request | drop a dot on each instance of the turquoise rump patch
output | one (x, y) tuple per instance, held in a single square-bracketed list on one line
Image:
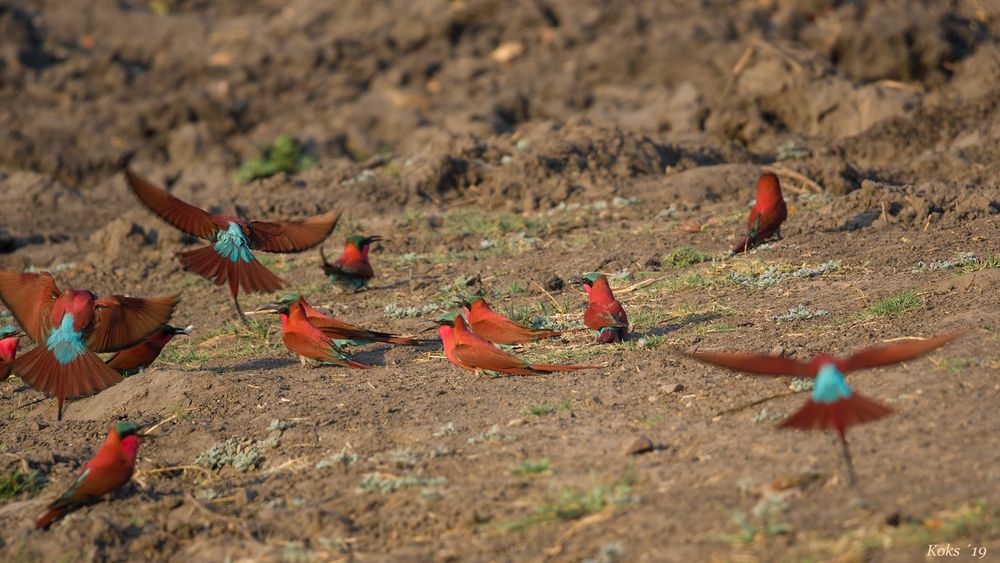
[(830, 385), (65, 343), (232, 243)]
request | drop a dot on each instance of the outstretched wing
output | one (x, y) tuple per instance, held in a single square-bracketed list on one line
[(754, 363), (29, 298), (293, 236), (186, 217), (894, 353), (120, 322)]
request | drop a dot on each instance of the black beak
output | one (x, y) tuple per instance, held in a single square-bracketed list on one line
[(186, 331)]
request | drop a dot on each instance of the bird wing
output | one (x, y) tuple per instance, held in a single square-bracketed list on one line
[(293, 236), (120, 322), (754, 363), (482, 357), (603, 315), (29, 298), (186, 217), (893, 353)]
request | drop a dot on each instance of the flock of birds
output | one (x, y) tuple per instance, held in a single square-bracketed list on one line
[(70, 327)]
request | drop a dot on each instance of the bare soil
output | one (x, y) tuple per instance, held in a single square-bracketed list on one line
[(507, 147)]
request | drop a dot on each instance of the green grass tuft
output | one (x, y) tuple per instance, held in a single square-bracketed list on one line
[(683, 257), (285, 155), (895, 305), (530, 467), (17, 483), (573, 504)]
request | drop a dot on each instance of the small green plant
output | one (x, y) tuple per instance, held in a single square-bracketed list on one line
[(491, 435), (539, 410), (683, 257), (749, 531), (343, 458), (239, 452), (792, 150), (385, 484), (895, 305), (799, 313), (285, 155), (991, 261), (572, 504), (17, 483), (530, 467)]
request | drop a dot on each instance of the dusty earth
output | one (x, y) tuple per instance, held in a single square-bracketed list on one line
[(508, 146)]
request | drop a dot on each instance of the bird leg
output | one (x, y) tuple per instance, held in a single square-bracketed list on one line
[(852, 478), (303, 360), (239, 310)]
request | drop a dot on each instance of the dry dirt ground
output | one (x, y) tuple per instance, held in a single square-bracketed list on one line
[(507, 147)]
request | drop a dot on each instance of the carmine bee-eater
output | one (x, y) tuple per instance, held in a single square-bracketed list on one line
[(139, 357), (468, 351), (766, 215), (10, 337), (69, 327), (833, 404), (230, 258), (604, 313), (352, 270), (497, 328), (303, 338), (342, 333), (111, 467)]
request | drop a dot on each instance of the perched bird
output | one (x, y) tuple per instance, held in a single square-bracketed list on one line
[(230, 258), (110, 468), (69, 327), (139, 357), (10, 337), (766, 215), (468, 351), (352, 270), (833, 404), (497, 328), (302, 337), (342, 333), (604, 313)]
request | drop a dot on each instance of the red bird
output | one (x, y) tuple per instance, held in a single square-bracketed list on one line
[(604, 313), (69, 327), (139, 357), (302, 337), (497, 328), (340, 332), (109, 469), (766, 215), (468, 351), (230, 258), (10, 337), (833, 405), (352, 270)]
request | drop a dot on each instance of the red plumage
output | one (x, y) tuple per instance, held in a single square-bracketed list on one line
[(498, 329), (248, 274), (102, 325), (766, 215), (8, 351), (604, 314), (337, 329), (837, 416), (470, 352), (111, 467), (143, 354), (303, 338)]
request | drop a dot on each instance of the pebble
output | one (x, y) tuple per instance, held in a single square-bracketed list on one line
[(517, 422), (671, 388), (639, 445)]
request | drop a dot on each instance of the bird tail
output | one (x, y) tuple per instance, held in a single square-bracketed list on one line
[(4, 371), (402, 340), (50, 516), (548, 368), (611, 334), (83, 376), (347, 363), (252, 276), (328, 268), (838, 415)]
